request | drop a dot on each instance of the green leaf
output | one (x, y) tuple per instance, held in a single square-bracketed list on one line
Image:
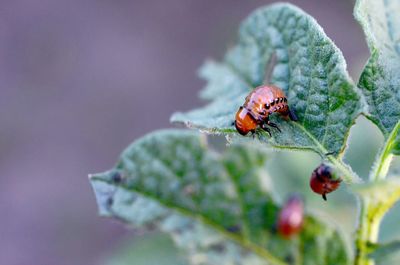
[(383, 251), (380, 79), (381, 195), (217, 207), (376, 198), (140, 251), (282, 45)]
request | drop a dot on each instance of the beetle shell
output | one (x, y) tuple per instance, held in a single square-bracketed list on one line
[(322, 180), (244, 121), (259, 104), (290, 221)]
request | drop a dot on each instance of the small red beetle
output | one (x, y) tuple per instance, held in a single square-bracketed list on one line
[(323, 181), (290, 221), (259, 104)]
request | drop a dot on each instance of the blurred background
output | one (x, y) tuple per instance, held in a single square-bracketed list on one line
[(79, 80)]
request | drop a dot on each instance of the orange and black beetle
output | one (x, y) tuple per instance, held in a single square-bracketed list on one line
[(322, 180), (259, 104)]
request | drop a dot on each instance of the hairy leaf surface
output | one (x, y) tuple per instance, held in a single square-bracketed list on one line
[(380, 79), (382, 195), (218, 207), (282, 45), (381, 252)]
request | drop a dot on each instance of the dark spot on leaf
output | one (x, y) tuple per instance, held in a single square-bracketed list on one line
[(116, 178), (218, 247), (289, 259), (233, 228), (109, 201), (274, 228), (151, 227)]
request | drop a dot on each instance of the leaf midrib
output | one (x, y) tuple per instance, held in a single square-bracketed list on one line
[(351, 175), (234, 70)]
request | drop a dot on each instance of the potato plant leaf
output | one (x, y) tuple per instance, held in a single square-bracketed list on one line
[(380, 79), (380, 252), (382, 195), (282, 45), (218, 207)]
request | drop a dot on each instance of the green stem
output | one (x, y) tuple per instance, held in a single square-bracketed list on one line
[(367, 232), (348, 174), (373, 209), (385, 157), (371, 214)]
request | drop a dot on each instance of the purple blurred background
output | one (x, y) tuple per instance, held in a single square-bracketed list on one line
[(80, 80)]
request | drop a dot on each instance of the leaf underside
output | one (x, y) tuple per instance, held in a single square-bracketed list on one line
[(382, 195), (383, 251), (380, 79), (282, 45), (217, 207)]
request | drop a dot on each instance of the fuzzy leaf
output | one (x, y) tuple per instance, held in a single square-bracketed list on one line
[(382, 195), (282, 45), (380, 252), (140, 251), (380, 79), (217, 207)]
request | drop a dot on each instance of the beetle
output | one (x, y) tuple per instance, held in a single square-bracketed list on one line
[(259, 104), (323, 181), (290, 219)]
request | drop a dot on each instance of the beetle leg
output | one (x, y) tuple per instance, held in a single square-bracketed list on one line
[(324, 197), (292, 115), (265, 128), (233, 123), (253, 133), (274, 125)]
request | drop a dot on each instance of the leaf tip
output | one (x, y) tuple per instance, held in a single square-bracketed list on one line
[(178, 118)]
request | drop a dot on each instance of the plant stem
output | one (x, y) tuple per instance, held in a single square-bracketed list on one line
[(367, 232), (385, 157), (348, 174), (370, 214)]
